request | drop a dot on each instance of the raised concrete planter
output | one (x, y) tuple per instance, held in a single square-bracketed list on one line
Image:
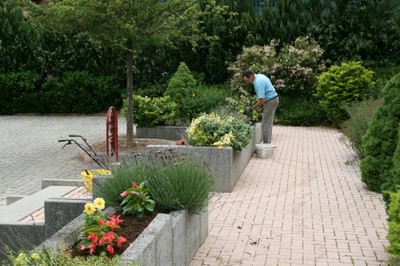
[(227, 164), (162, 132), (16, 233), (170, 239)]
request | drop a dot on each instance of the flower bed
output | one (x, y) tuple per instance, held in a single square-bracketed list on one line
[(226, 163), (170, 239)]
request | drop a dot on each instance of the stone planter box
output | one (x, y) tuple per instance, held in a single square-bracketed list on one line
[(162, 132), (227, 164), (170, 239)]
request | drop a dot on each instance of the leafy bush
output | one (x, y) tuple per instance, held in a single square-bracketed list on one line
[(380, 141), (356, 126), (80, 92), (150, 112), (394, 225), (19, 92), (204, 99), (339, 85), (300, 111), (76, 92), (220, 131)]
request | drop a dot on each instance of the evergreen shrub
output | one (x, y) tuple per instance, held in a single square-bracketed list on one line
[(380, 141), (180, 87), (344, 84), (394, 225)]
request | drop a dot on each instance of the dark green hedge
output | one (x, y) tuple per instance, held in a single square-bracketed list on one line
[(75, 92)]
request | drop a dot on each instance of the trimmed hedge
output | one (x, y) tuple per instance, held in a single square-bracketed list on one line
[(75, 92)]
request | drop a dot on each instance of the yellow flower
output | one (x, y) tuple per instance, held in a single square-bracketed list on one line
[(99, 203), (89, 208)]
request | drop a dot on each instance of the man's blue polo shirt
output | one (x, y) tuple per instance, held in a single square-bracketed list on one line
[(263, 86)]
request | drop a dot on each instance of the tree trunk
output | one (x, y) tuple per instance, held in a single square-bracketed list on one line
[(129, 115)]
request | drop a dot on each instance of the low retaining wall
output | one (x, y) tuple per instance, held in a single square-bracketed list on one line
[(170, 239), (226, 164), (162, 132)]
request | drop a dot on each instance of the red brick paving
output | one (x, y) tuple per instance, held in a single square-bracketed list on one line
[(304, 206)]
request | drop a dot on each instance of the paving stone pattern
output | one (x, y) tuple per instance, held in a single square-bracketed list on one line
[(31, 151), (304, 206)]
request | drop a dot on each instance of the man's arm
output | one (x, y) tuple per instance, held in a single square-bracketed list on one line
[(259, 103)]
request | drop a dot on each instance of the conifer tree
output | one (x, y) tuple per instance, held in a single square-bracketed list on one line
[(380, 141)]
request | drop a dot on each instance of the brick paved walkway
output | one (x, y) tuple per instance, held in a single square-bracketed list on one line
[(305, 206)]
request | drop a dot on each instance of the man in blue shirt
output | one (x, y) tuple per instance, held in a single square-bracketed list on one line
[(267, 99)]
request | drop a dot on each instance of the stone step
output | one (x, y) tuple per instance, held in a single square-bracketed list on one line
[(29, 204)]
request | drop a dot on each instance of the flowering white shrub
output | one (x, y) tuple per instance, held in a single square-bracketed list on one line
[(293, 70)]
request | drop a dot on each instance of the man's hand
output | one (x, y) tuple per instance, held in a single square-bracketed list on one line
[(248, 110)]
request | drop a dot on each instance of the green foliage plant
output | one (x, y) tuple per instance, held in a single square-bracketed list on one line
[(300, 111), (19, 92), (150, 112), (204, 99), (239, 102), (79, 92), (20, 41), (122, 177), (137, 201), (344, 84), (28, 258), (356, 126), (183, 184), (174, 181), (393, 235), (380, 141), (220, 131)]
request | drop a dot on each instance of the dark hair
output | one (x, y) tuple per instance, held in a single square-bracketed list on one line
[(248, 73)]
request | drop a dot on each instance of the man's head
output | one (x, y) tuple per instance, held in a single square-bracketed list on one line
[(248, 76)]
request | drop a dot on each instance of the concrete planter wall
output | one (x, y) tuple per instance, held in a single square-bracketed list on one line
[(226, 163), (170, 239), (162, 132)]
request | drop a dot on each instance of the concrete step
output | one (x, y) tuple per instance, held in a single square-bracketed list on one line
[(29, 204)]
